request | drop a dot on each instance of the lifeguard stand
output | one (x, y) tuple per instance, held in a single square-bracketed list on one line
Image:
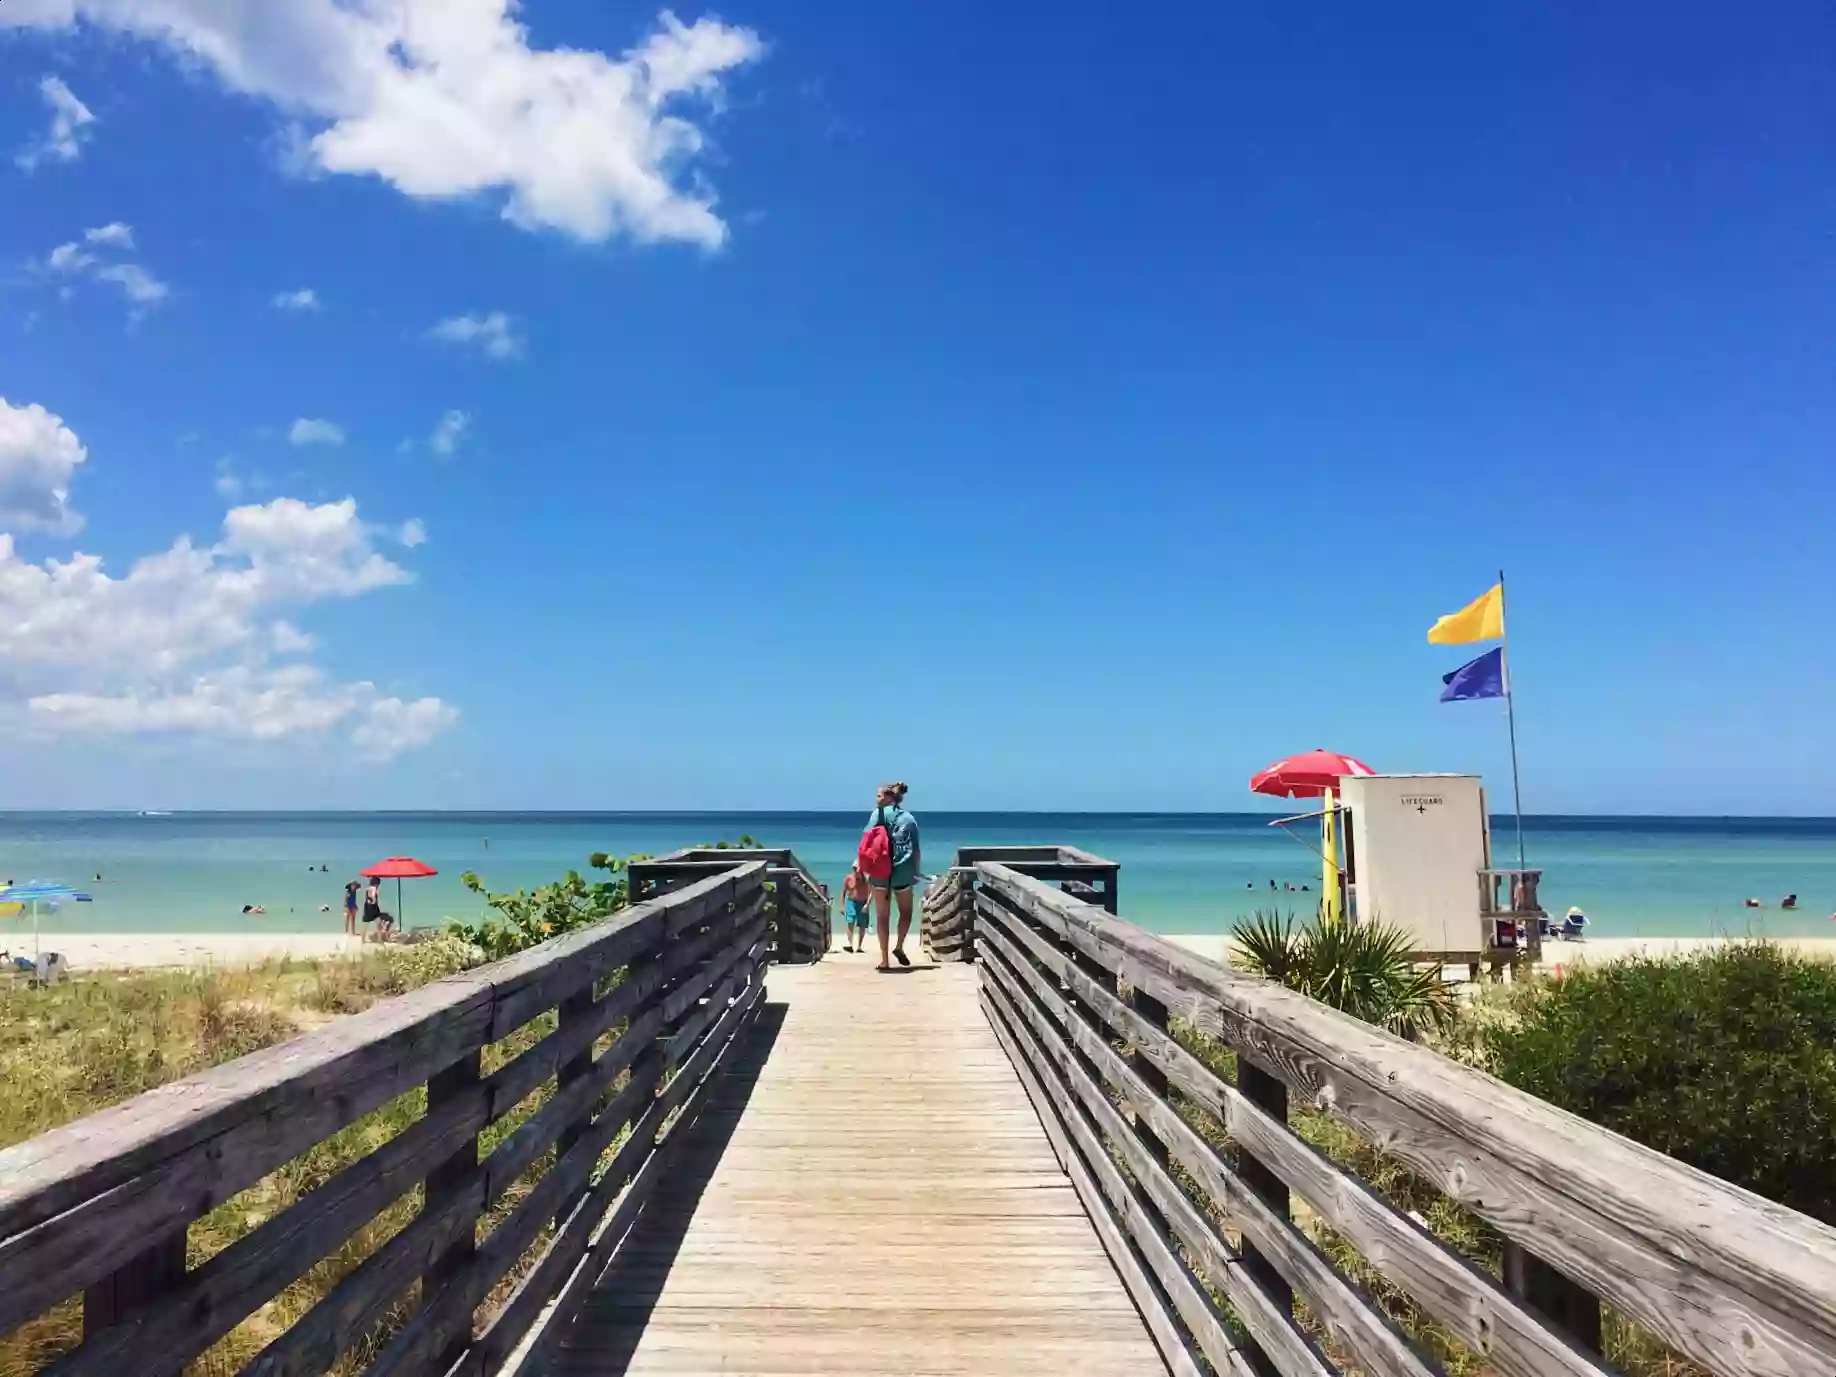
[(1419, 858)]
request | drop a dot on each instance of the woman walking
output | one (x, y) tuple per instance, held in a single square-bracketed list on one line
[(889, 812)]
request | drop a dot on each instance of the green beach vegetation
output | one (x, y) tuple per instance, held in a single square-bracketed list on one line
[(72, 1049), (1363, 969), (526, 917), (1723, 1058)]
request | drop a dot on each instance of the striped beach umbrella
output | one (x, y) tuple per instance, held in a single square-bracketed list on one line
[(33, 893)]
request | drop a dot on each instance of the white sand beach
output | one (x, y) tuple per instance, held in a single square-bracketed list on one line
[(153, 950), (150, 950), (1559, 955)]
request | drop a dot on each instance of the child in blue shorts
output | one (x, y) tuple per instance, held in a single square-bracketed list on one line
[(857, 909)]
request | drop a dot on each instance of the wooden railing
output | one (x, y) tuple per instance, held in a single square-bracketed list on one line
[(648, 1004), (1189, 1177), (798, 906), (946, 917)]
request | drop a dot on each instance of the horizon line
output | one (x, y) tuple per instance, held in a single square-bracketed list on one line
[(155, 814)]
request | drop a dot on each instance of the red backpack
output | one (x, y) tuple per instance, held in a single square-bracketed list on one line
[(875, 854)]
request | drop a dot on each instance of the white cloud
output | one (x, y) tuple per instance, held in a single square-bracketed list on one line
[(189, 603), (69, 258), (183, 643), (39, 456), (136, 283), (494, 335), (312, 432), (290, 640), (254, 704), (443, 98), (112, 235), (303, 300), (389, 726), (140, 287), (413, 532), (449, 432), (70, 126)]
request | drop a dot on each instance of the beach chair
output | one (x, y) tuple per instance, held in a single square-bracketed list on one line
[(50, 968), (1574, 926)]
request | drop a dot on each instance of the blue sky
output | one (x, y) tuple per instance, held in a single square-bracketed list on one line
[(1065, 406)]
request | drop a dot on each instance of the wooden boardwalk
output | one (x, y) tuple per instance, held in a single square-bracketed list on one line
[(868, 1191)]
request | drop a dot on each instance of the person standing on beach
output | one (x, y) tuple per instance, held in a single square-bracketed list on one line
[(372, 903), (889, 812), (350, 908)]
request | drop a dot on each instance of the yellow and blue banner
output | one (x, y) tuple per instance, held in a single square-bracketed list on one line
[(1481, 678), (1482, 619)]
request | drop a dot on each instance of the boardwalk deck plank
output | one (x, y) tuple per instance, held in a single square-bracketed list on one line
[(876, 1195)]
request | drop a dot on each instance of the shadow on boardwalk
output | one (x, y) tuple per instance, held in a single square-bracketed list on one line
[(616, 1315), (870, 1194)]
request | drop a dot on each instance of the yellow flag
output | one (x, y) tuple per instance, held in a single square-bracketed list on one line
[(1480, 620)]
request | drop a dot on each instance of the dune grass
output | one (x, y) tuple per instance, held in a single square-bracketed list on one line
[(1467, 1037), (72, 1049)]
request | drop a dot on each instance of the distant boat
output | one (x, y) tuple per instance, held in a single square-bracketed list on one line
[(154, 813)]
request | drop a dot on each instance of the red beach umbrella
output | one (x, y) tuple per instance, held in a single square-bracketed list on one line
[(1307, 775), (399, 868)]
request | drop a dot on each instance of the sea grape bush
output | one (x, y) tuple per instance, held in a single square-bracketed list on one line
[(1725, 1060), (526, 917)]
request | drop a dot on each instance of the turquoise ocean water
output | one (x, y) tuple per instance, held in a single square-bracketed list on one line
[(1180, 873)]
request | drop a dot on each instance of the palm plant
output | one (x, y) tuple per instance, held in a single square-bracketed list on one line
[(1367, 970)]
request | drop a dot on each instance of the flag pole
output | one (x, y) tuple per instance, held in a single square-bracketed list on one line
[(1510, 698)]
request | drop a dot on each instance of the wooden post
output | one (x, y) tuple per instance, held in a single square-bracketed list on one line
[(1269, 1094), (446, 1180), (1154, 1012), (1569, 1306), (780, 942), (574, 1009), (143, 1278)]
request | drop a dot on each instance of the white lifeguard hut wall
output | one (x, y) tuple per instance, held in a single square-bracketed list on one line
[(1418, 845)]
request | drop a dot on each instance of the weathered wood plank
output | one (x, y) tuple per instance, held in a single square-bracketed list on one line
[(874, 1197), (236, 1282), (1349, 1315), (446, 1312), (146, 1167), (453, 1178), (149, 1279), (1150, 1282), (1743, 1286), (354, 1307), (1272, 1330), (1466, 1300), (417, 1348), (538, 979), (540, 1290), (626, 1188), (77, 1203), (568, 1108), (684, 997)]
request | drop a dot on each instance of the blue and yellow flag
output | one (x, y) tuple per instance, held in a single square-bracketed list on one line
[(1480, 620), (1481, 678)]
